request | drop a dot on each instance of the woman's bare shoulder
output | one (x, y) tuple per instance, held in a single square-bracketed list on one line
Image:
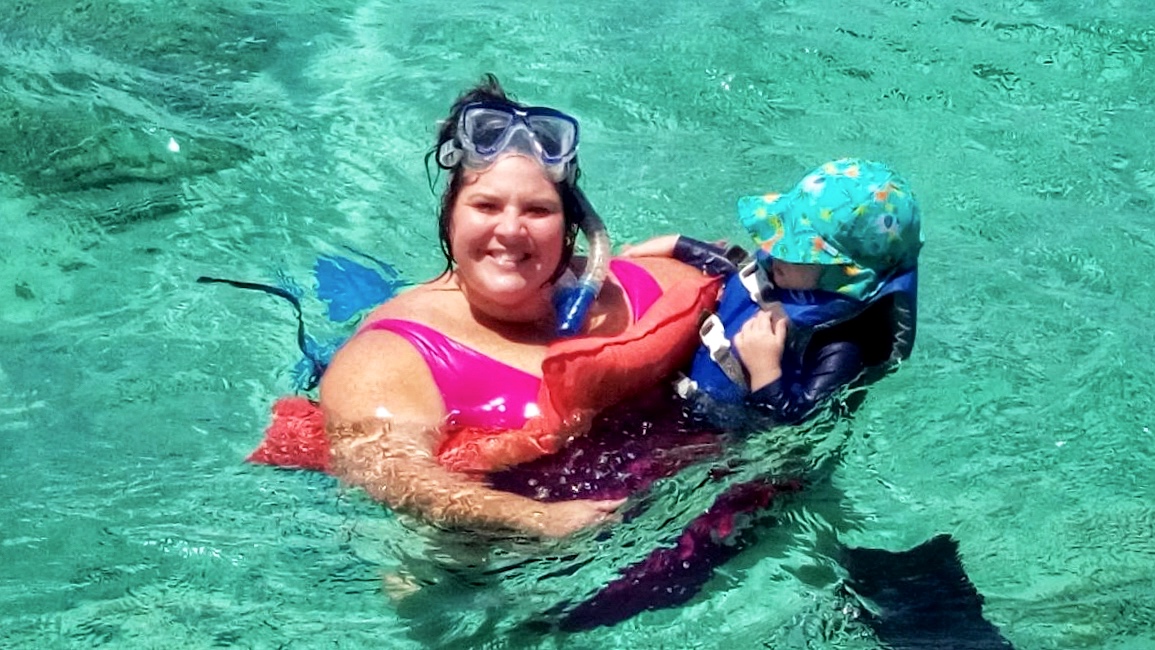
[(379, 374), (422, 303)]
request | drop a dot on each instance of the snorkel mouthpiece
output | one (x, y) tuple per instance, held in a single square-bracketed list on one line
[(573, 301), (573, 305)]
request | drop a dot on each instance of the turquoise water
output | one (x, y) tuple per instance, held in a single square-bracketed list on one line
[(145, 143)]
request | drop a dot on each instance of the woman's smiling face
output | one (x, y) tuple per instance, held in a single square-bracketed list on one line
[(506, 235)]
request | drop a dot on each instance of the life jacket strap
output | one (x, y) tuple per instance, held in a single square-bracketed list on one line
[(713, 332), (713, 335)]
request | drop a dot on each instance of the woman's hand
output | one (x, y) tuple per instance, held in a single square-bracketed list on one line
[(564, 518), (761, 343)]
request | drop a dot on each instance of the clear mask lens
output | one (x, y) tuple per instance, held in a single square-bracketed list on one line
[(557, 138), (486, 130)]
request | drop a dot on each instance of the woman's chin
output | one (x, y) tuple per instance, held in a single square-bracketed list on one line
[(504, 288)]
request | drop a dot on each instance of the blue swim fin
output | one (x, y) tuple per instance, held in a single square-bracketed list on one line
[(349, 287)]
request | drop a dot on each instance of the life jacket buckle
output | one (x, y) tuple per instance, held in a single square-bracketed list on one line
[(685, 387), (713, 335), (753, 277)]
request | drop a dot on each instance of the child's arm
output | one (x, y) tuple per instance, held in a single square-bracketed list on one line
[(760, 344), (713, 259), (792, 400)]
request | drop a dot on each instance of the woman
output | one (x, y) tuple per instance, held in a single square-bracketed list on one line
[(468, 346)]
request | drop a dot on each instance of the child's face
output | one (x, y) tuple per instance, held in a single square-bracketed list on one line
[(795, 276)]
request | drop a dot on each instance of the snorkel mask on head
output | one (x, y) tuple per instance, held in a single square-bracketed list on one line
[(485, 131)]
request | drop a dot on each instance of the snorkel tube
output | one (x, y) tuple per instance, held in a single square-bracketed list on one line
[(573, 301)]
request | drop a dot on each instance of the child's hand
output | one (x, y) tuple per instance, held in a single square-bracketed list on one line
[(761, 343), (657, 247)]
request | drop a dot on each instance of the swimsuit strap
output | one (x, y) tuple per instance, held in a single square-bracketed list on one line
[(477, 389), (641, 289)]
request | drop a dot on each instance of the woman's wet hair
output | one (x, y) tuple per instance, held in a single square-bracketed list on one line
[(489, 90)]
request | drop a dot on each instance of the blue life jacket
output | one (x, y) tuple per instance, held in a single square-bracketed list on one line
[(809, 312)]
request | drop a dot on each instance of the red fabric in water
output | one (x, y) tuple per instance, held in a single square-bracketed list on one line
[(295, 436)]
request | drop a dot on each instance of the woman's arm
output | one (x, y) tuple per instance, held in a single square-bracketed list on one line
[(383, 415)]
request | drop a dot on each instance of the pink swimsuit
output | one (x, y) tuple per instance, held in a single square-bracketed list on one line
[(480, 391)]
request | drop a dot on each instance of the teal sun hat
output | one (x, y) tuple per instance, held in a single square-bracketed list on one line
[(857, 215)]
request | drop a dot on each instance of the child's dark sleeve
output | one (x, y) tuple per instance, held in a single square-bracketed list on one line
[(795, 396), (712, 259)]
